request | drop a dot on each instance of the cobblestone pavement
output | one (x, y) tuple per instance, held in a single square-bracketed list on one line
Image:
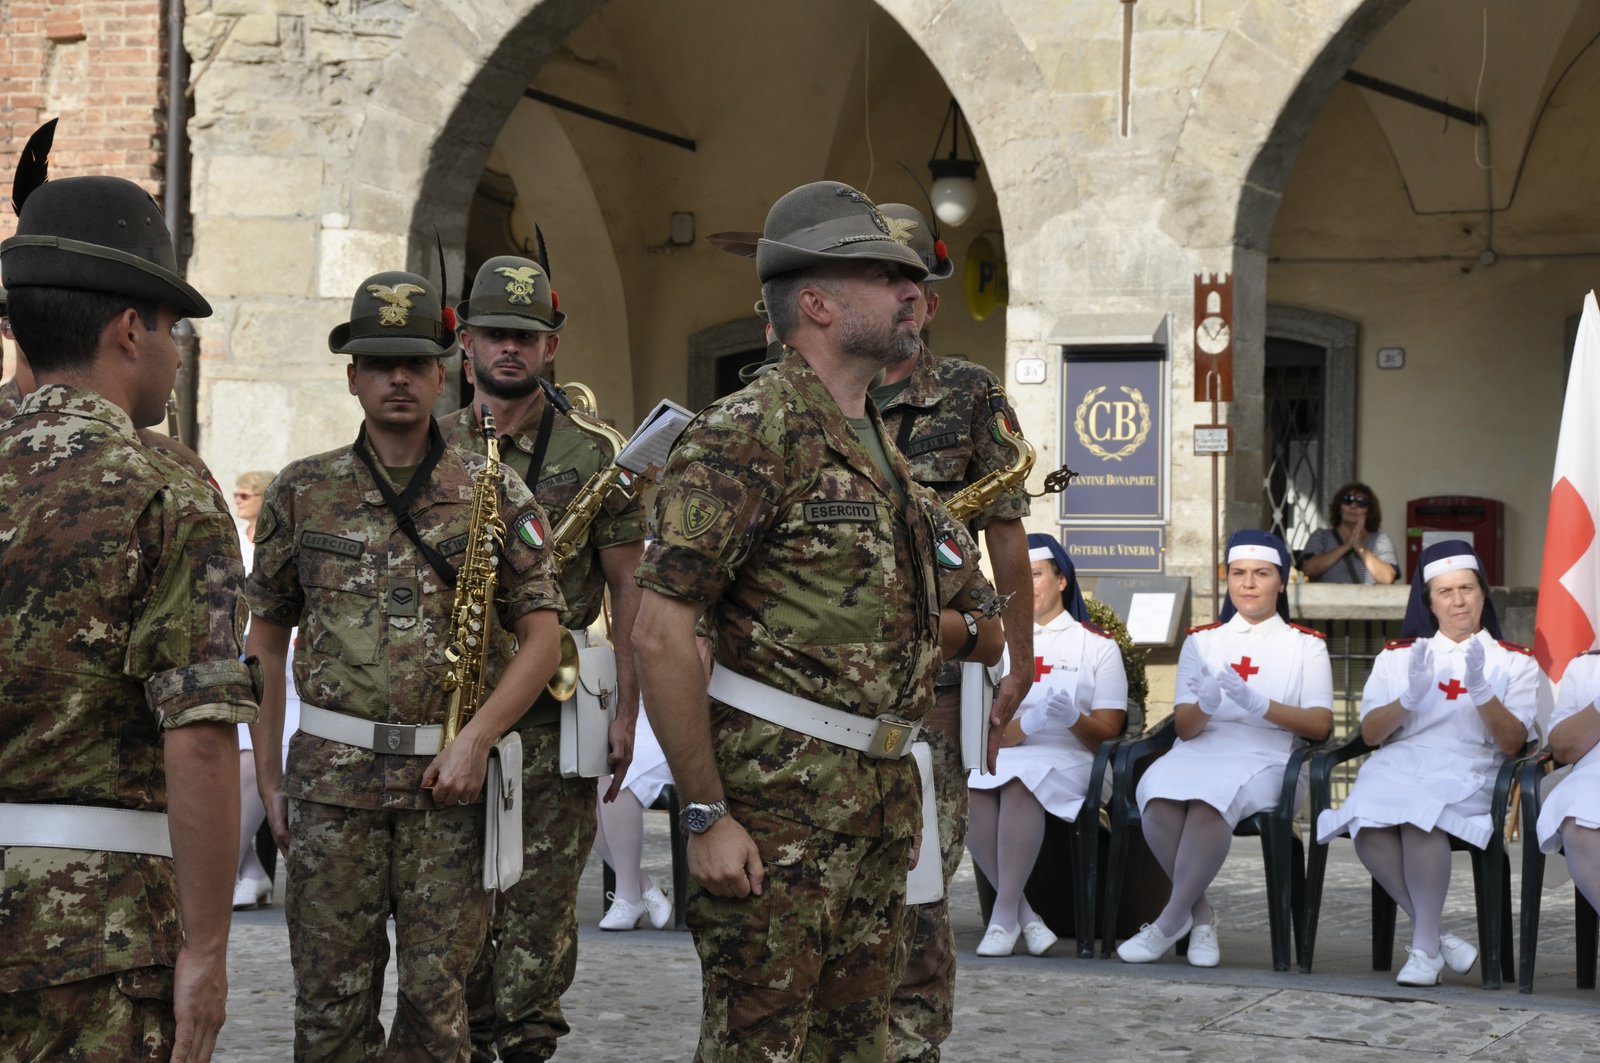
[(637, 994)]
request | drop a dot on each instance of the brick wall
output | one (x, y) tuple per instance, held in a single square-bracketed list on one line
[(99, 66)]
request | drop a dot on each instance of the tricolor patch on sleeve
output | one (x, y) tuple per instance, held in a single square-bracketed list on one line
[(531, 530), (948, 551)]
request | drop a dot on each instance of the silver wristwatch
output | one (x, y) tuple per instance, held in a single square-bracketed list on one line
[(696, 818)]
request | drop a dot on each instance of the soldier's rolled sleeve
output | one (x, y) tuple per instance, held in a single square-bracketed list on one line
[(991, 456), (628, 525), (709, 512), (186, 631), (528, 580)]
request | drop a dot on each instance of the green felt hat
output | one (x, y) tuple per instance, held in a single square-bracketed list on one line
[(827, 221), (395, 315), (512, 293), (99, 234), (921, 237)]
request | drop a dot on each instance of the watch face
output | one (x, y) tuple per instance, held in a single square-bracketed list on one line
[(695, 820)]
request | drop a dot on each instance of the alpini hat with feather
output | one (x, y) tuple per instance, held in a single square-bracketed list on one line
[(98, 234), (827, 221), (395, 315), (512, 293), (911, 225)]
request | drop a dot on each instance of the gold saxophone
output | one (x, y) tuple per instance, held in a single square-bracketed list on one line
[(470, 616), (977, 497), (575, 520)]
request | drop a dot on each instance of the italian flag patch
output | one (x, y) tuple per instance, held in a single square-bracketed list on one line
[(948, 551), (531, 531)]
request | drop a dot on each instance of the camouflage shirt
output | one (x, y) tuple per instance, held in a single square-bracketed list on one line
[(374, 617), (943, 425), (573, 456), (10, 398), (119, 618), (772, 513), (950, 441)]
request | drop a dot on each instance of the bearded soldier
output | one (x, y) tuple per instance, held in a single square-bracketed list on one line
[(510, 331)]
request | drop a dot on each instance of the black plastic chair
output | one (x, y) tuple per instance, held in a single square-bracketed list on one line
[(1282, 853), (1586, 925), (667, 802), (1493, 891)]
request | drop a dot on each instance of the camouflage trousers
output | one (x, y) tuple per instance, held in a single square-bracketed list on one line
[(922, 1009), (803, 971), (531, 953), (125, 1017), (349, 870)]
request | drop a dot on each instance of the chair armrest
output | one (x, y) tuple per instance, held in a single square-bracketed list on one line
[(1298, 758), (1324, 759), (1502, 784), (1530, 770), (1130, 753), (1092, 801)]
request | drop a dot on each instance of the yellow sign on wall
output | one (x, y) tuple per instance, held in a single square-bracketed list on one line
[(985, 282)]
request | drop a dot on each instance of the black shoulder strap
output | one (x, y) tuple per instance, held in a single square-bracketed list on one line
[(541, 444), (400, 505)]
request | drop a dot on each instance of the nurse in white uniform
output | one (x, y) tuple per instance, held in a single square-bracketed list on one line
[(1570, 816), (1248, 686), (1078, 700), (1445, 704)]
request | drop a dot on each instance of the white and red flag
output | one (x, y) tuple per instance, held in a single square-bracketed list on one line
[(1569, 581)]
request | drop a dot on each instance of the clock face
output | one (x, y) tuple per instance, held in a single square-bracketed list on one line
[(1212, 335)]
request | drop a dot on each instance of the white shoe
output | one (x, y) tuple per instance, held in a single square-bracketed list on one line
[(1203, 949), (1038, 938), (1458, 955), (1150, 943), (998, 941), (622, 915), (251, 893), (660, 906), (1421, 969)]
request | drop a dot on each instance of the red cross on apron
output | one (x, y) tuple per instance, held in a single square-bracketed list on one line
[(1453, 691), (1040, 669), (1244, 668)]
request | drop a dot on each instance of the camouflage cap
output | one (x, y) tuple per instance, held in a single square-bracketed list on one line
[(513, 293), (98, 234), (827, 221), (908, 223), (395, 315)]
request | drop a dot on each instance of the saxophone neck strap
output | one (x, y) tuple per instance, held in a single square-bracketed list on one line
[(541, 444), (903, 437), (400, 505)]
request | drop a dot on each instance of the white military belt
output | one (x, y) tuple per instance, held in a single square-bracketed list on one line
[(404, 739), (885, 737), (90, 827)]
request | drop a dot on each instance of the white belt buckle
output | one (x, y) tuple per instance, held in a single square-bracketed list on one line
[(394, 738), (893, 737)]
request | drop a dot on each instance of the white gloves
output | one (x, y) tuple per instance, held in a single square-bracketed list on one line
[(1062, 706), (1252, 702), (1479, 689), (1207, 691), (1419, 671)]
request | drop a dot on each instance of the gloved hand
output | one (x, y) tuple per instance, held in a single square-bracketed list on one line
[(1207, 692), (1251, 701), (1419, 671), (1062, 707), (1479, 689)]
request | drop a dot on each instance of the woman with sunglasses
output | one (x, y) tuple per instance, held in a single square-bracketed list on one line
[(1353, 550)]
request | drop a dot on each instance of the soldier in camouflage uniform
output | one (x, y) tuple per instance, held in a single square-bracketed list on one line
[(938, 412), (354, 546), (509, 339), (786, 512), (119, 626)]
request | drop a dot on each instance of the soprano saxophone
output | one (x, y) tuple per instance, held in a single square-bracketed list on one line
[(470, 617), (977, 497)]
